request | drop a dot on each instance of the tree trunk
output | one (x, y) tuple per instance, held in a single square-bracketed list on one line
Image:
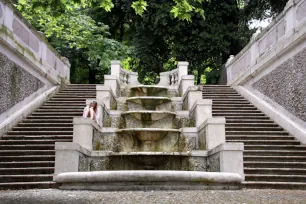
[(92, 76)]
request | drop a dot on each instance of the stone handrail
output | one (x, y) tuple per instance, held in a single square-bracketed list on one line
[(270, 44), (124, 76), (173, 77), (18, 35)]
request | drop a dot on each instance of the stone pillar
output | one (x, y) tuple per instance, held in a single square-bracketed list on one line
[(116, 68), (104, 95), (202, 110), (185, 82), (66, 158), (113, 83), (182, 69), (229, 157), (212, 133), (191, 96), (290, 18), (83, 132)]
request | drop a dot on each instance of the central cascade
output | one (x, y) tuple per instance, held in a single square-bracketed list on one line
[(149, 137), (149, 118)]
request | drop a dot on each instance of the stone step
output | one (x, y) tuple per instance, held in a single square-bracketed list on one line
[(246, 118), (28, 124), (57, 110), (276, 178), (224, 97), (248, 121), (275, 158), (81, 107), (227, 102), (232, 106), (274, 147), (28, 158), (274, 185), (270, 164), (275, 171), (238, 111), (74, 99), (243, 128), (84, 96), (222, 108), (37, 137), (21, 142), (274, 152), (223, 92), (258, 137), (39, 132), (34, 170), (226, 114), (28, 185), (58, 117), (25, 152), (259, 125), (26, 178), (266, 142), (27, 147), (76, 93), (252, 132), (76, 113), (65, 103), (35, 128), (26, 164), (46, 120)]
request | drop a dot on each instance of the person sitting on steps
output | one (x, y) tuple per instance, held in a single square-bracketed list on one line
[(92, 111)]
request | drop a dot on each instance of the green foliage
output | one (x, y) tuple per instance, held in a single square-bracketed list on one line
[(79, 37), (139, 6)]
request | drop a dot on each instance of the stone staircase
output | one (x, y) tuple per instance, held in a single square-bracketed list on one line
[(27, 154), (272, 157)]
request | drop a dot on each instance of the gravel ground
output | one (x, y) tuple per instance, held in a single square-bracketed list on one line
[(74, 197)]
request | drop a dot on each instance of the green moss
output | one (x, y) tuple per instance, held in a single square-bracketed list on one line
[(114, 106)]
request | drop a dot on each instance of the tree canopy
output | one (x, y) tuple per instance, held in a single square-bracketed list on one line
[(149, 36)]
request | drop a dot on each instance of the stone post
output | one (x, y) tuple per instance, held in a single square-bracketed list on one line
[(229, 157), (104, 95), (191, 96), (113, 83), (185, 82), (201, 110), (83, 132), (212, 133), (116, 68), (182, 69), (66, 158)]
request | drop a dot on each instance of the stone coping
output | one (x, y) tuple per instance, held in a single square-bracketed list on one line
[(148, 98), (148, 130), (85, 121), (105, 88), (212, 121), (149, 153), (148, 111), (227, 147), (201, 102), (148, 176), (149, 86), (191, 88)]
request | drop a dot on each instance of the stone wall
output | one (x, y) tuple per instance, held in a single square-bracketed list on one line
[(271, 70), (286, 85), (15, 83)]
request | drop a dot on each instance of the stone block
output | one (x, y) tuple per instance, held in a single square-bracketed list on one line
[(212, 133), (83, 132)]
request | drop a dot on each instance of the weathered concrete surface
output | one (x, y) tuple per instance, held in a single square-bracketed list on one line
[(147, 197), (148, 180)]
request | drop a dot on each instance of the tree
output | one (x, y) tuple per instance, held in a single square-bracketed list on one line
[(76, 35)]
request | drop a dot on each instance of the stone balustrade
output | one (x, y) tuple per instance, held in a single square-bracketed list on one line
[(173, 77), (270, 70), (124, 77), (17, 34)]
